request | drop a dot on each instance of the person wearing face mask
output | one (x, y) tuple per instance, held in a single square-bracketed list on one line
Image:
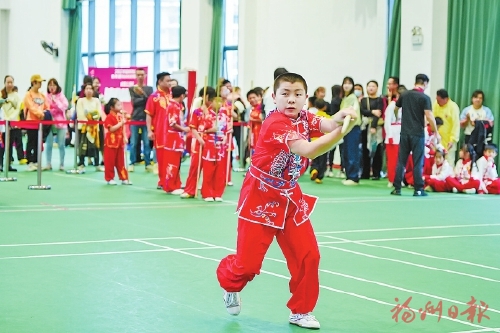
[(417, 106), (351, 140), (359, 92)]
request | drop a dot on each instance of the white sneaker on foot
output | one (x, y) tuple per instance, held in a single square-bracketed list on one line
[(230, 184), (126, 182), (218, 199), (304, 320), (233, 303), (112, 182), (470, 191), (209, 199), (179, 191)]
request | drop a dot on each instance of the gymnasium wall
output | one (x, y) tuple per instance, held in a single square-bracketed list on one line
[(29, 22), (324, 40)]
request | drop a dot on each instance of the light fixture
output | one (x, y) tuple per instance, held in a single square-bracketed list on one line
[(50, 48)]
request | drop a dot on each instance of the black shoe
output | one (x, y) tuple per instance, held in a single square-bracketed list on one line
[(11, 169), (420, 194), (396, 192), (159, 187), (375, 178)]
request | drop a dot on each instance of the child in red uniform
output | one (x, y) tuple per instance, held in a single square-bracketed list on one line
[(114, 143), (174, 142), (197, 125), (272, 204), (486, 171), (441, 170), (463, 181)]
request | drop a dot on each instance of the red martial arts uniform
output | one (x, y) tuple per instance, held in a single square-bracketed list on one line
[(196, 122), (255, 125), (437, 179), (114, 154), (214, 175), (174, 147), (486, 173), (271, 204), (463, 180), (156, 108)]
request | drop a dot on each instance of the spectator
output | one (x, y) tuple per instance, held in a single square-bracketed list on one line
[(10, 103), (35, 104), (371, 135), (58, 106), (476, 111), (359, 91), (334, 108), (417, 106), (351, 140), (448, 111), (139, 94)]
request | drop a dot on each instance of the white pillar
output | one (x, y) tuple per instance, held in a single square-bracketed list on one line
[(196, 30), (4, 36), (430, 56)]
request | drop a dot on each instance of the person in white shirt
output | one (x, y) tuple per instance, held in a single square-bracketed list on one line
[(476, 111)]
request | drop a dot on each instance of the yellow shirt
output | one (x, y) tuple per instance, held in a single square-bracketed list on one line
[(450, 130), (352, 100)]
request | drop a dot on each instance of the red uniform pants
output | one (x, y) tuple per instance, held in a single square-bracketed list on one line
[(162, 168), (391, 151), (300, 248), (494, 187), (114, 158), (214, 179), (193, 170), (455, 183), (172, 176), (437, 185)]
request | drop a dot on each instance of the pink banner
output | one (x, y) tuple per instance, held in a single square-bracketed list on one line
[(116, 81)]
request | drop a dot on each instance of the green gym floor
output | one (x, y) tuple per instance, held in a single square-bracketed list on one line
[(89, 257)]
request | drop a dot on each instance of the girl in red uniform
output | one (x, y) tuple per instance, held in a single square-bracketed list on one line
[(114, 143), (271, 203)]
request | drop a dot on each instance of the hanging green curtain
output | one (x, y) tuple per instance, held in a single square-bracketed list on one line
[(215, 69), (69, 4), (473, 54), (73, 59), (392, 61)]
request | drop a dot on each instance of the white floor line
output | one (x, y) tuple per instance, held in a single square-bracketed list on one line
[(382, 199), (152, 203), (406, 238), (104, 183), (59, 209), (86, 242), (415, 253), (411, 228), (321, 286), (481, 330), (103, 253), (411, 264), (347, 276), (79, 254)]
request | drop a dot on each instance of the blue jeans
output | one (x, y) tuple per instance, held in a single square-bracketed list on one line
[(416, 145), (61, 140), (350, 154), (134, 141)]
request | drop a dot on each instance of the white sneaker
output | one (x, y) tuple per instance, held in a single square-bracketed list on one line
[(32, 167), (126, 182), (209, 199), (329, 174), (99, 168), (179, 191), (304, 320), (112, 182), (218, 199), (131, 168), (230, 184), (454, 190), (349, 182), (389, 185), (470, 191), (186, 195), (233, 303)]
